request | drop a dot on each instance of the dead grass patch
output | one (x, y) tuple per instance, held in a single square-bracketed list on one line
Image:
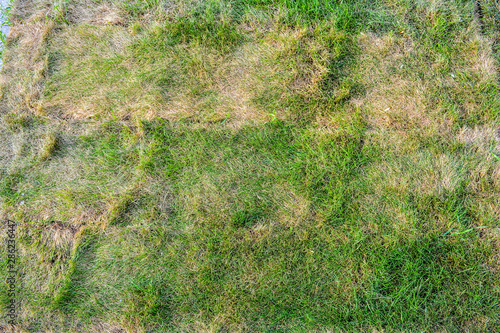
[(400, 187), (481, 143), (491, 236), (96, 74), (422, 173), (393, 101), (415, 90), (93, 12), (479, 138), (25, 65)]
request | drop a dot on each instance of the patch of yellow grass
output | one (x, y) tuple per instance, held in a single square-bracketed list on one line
[(87, 12), (419, 175), (25, 64), (393, 100), (294, 209), (214, 87), (484, 176)]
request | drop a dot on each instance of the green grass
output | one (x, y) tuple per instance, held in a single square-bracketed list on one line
[(252, 166)]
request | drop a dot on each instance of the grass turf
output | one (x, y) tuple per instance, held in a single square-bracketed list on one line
[(270, 166)]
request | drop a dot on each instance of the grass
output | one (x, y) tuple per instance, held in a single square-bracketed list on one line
[(252, 165)]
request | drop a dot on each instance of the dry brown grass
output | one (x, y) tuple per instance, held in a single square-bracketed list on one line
[(25, 65), (422, 175), (393, 100), (90, 12), (482, 142), (216, 87), (254, 70)]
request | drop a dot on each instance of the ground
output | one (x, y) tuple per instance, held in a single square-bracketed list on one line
[(252, 165)]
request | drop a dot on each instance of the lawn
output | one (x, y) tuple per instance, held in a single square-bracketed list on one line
[(251, 166)]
